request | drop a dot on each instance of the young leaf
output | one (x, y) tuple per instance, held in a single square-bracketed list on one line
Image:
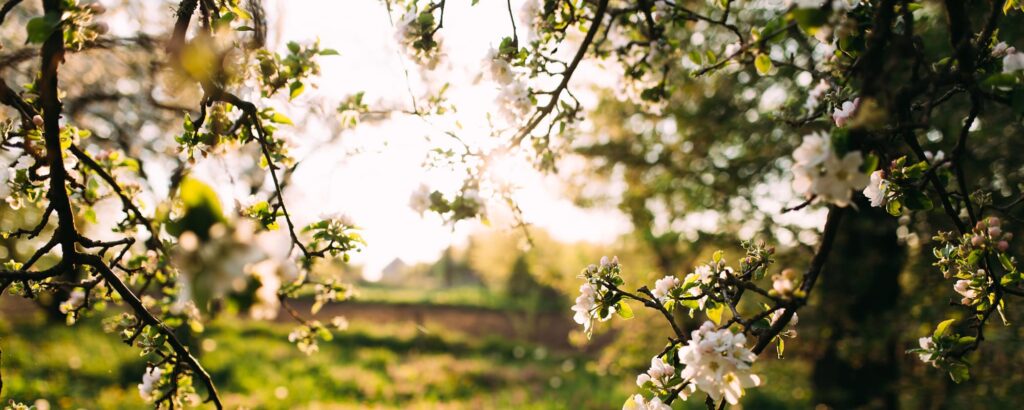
[(624, 310), (763, 63)]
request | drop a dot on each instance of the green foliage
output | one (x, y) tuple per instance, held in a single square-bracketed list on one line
[(201, 210)]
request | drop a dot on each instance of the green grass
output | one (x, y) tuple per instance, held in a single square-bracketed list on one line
[(369, 366), (255, 366)]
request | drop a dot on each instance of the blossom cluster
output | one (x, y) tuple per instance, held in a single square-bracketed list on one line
[(150, 382), (1012, 60), (714, 361), (718, 362), (515, 98), (468, 204), (940, 350), (965, 258), (416, 32), (598, 299)]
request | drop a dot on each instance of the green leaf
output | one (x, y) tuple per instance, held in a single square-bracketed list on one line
[(90, 215), (281, 119), (40, 28), (917, 200), (715, 314), (329, 52), (202, 209), (1006, 262), (966, 340), (763, 63), (943, 328), (624, 311), (241, 13), (894, 207), (809, 19), (296, 88), (959, 372), (870, 163)]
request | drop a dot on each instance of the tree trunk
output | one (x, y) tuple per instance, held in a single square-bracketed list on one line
[(858, 365)]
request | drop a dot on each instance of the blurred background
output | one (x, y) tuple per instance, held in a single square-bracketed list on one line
[(476, 314)]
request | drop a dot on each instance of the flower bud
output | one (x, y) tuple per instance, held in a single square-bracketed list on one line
[(980, 226), (977, 240), (1003, 246), (37, 120), (97, 8), (994, 221), (994, 230)]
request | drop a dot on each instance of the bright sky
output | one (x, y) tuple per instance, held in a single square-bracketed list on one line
[(371, 174)]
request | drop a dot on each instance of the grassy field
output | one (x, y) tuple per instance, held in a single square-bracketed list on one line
[(256, 367), (368, 366)]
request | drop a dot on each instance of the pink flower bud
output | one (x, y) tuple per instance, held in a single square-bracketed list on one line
[(1003, 246), (994, 221), (97, 8), (980, 226), (994, 230), (37, 120), (977, 240), (1008, 236)]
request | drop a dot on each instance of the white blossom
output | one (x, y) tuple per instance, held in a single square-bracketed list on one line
[(937, 156), (778, 313), (784, 283), (814, 96), (337, 216), (659, 373), (637, 402), (500, 69), (24, 162), (585, 306), (813, 150), (963, 287), (661, 11), (420, 201), (718, 362), (1002, 49), (842, 176), (877, 189), (1013, 62), (702, 274), (5, 178), (514, 102), (732, 49), (406, 35), (529, 12), (663, 286), (928, 345), (403, 28), (844, 113), (150, 380)]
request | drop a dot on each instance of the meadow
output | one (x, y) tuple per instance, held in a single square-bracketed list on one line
[(372, 365)]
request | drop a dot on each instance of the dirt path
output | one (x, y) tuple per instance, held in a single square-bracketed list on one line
[(548, 329)]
